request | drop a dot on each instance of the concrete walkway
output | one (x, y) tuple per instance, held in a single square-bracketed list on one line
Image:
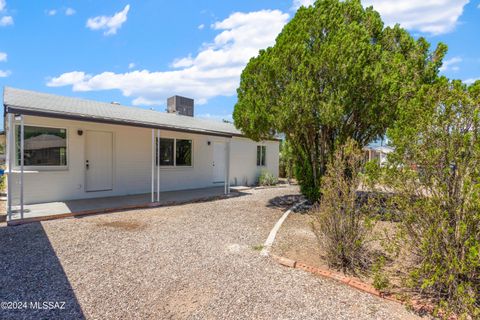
[(51, 209)]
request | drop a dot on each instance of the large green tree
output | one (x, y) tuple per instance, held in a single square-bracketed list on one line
[(335, 72)]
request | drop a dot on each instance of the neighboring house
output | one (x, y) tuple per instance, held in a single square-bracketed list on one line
[(378, 153), (77, 149)]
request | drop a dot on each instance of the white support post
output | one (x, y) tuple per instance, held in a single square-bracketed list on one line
[(158, 166), (228, 166), (9, 159), (227, 160), (153, 165), (22, 160)]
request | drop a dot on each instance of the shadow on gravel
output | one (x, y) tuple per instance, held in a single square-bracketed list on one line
[(285, 202), (32, 277)]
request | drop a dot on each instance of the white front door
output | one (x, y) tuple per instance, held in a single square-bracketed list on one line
[(98, 161), (219, 161)]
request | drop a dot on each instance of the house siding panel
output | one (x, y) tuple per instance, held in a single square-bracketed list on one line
[(132, 163), (243, 156)]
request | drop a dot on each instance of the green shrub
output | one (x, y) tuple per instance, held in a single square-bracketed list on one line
[(435, 175), (307, 179), (267, 179), (380, 279), (287, 160), (341, 225), (3, 183)]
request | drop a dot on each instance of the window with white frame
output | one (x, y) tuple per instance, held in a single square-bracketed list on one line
[(261, 155), (175, 152), (183, 152), (43, 146)]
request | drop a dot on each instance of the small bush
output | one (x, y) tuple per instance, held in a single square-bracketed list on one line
[(306, 177), (3, 183), (341, 225), (380, 279), (267, 179)]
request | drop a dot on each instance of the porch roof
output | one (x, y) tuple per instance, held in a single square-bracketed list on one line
[(54, 106)]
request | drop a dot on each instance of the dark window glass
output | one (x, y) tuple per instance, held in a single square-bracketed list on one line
[(166, 152), (184, 152), (261, 154), (264, 154), (42, 146)]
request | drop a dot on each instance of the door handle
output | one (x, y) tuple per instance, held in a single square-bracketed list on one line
[(87, 165)]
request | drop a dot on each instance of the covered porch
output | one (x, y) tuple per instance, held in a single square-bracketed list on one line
[(80, 207), (67, 157)]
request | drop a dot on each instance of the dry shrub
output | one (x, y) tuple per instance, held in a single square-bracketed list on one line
[(435, 175), (341, 224)]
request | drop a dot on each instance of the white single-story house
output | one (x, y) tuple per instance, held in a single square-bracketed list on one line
[(62, 148), (377, 153)]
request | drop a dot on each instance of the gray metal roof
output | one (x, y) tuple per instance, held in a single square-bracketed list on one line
[(49, 105)]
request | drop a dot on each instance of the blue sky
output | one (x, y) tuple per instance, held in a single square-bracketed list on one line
[(140, 52)]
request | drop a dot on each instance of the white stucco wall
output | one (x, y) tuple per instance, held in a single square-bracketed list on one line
[(243, 164), (132, 164)]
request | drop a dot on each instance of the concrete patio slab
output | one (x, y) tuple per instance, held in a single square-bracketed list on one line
[(53, 210)]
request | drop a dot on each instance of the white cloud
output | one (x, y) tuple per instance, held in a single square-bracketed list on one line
[(429, 16), (67, 11), (471, 80), (70, 11), (70, 78), (3, 57), (131, 65), (184, 62), (109, 24), (200, 27), (298, 3), (140, 101), (201, 101), (4, 74), (214, 71), (451, 64), (6, 21)]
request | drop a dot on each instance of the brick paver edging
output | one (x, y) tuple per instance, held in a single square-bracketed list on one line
[(418, 306)]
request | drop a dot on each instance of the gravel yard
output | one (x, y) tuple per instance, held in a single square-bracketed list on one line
[(191, 261), (297, 241)]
